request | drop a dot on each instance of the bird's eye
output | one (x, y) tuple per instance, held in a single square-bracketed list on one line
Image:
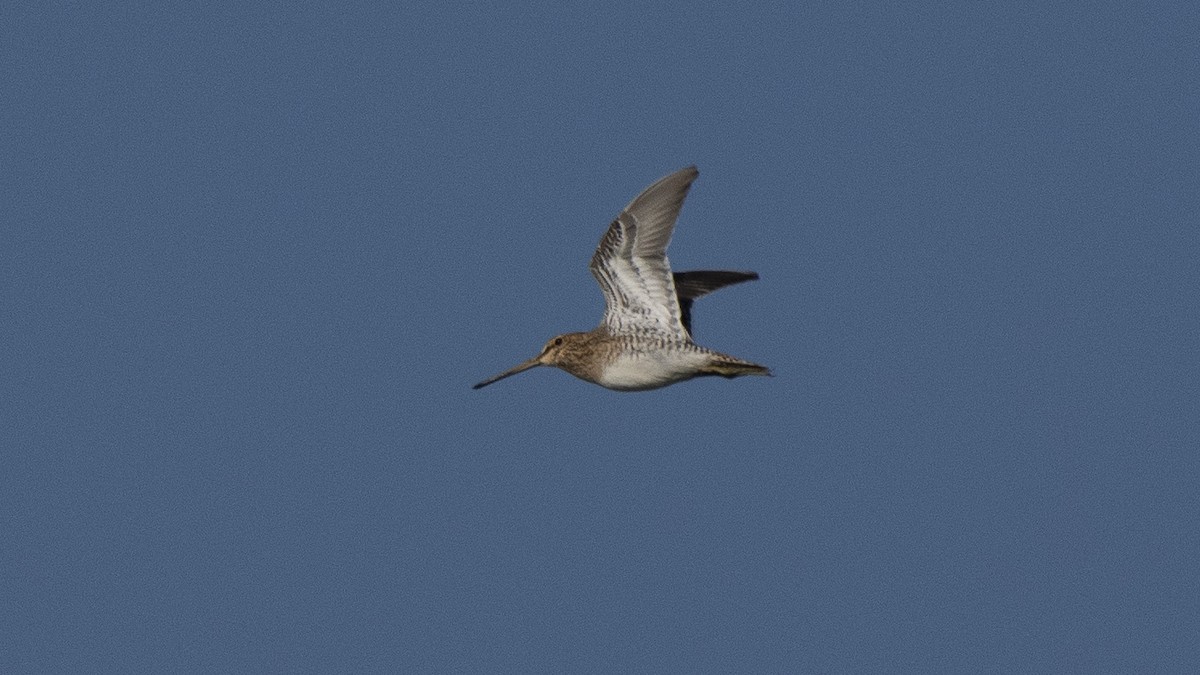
[(557, 341)]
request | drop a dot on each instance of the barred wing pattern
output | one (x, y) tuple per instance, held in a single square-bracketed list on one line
[(631, 265)]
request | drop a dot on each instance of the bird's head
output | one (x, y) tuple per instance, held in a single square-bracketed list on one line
[(556, 350)]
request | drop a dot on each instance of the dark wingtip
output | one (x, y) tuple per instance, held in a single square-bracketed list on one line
[(699, 283)]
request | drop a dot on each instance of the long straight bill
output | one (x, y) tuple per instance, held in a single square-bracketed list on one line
[(511, 371)]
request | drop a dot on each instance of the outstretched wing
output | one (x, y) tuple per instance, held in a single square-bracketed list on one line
[(631, 265), (699, 283)]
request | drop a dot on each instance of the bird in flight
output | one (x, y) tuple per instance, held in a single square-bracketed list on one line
[(645, 339)]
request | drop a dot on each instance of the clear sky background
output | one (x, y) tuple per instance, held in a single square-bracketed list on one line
[(255, 254)]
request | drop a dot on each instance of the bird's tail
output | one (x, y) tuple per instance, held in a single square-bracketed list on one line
[(728, 366)]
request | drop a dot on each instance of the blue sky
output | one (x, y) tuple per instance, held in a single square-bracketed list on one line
[(255, 255)]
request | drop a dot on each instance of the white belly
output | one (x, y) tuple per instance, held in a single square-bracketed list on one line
[(650, 370)]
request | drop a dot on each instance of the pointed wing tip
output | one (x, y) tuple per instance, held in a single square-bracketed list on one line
[(690, 173), (699, 283), (683, 176)]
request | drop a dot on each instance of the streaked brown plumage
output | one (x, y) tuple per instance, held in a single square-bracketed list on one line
[(645, 339)]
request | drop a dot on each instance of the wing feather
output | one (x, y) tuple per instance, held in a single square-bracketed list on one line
[(698, 283), (631, 265)]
